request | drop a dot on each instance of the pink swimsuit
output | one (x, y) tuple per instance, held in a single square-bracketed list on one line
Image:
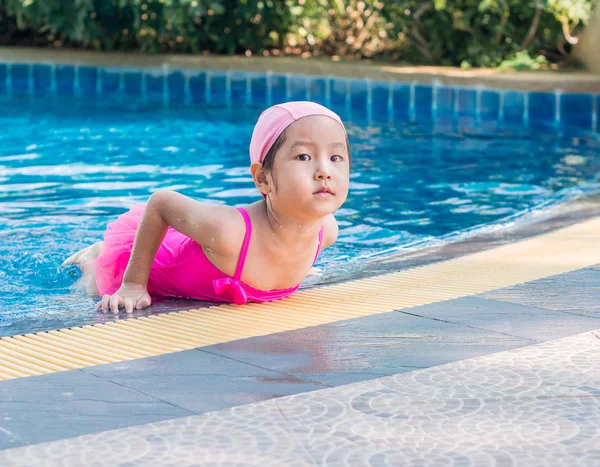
[(180, 269)]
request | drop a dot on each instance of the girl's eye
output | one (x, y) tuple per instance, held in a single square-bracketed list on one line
[(303, 157), (337, 158)]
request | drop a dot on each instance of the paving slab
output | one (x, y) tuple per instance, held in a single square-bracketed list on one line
[(537, 405), (367, 347), (62, 405), (524, 321), (574, 292), (201, 382)]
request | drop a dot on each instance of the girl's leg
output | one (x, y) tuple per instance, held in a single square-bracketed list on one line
[(85, 259)]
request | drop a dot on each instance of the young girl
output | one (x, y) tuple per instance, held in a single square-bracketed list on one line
[(177, 247)]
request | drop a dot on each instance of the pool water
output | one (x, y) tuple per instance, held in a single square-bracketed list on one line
[(68, 166)]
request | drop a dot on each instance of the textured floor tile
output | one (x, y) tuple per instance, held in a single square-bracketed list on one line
[(60, 405), (201, 382), (573, 292), (366, 348), (537, 405), (538, 324)]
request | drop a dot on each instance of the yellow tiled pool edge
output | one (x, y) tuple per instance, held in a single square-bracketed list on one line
[(563, 250)]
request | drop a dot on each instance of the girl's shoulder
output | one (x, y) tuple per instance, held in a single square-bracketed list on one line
[(330, 231)]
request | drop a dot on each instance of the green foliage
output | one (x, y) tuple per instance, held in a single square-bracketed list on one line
[(522, 61), (487, 33)]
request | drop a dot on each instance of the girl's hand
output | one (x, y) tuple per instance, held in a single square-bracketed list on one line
[(129, 296)]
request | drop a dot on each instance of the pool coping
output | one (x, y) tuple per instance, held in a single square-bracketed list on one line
[(542, 81)]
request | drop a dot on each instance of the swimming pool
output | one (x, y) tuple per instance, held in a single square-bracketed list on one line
[(79, 145)]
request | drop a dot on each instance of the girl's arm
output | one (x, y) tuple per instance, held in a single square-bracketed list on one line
[(208, 225)]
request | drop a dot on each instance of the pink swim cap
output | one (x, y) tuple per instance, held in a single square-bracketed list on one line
[(273, 121)]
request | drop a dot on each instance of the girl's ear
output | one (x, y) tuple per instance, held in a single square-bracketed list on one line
[(261, 178)]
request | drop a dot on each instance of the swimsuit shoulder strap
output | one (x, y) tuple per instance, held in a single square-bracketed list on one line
[(320, 243), (244, 250)]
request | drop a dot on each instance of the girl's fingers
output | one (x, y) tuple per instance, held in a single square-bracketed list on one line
[(105, 303), (128, 305), (115, 302), (143, 302)]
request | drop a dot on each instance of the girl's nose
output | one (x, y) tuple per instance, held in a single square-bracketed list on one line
[(323, 173)]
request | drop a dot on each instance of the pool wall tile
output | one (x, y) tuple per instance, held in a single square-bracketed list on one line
[(110, 82), (423, 102), (218, 87), (3, 76), (278, 89), (596, 114), (542, 107), (132, 83), (490, 105), (65, 80), (318, 90), (176, 86), (381, 94), (198, 87), (401, 100), (42, 79), (297, 88), (259, 89), (467, 102), (338, 87), (379, 100), (238, 85), (444, 102), (513, 106), (20, 77), (359, 94), (87, 79), (577, 110)]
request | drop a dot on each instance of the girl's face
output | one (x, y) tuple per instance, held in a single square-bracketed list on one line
[(311, 170)]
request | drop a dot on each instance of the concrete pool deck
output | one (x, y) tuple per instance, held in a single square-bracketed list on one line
[(509, 375)]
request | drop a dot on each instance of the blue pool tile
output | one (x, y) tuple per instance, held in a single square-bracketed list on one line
[(155, 85), (198, 87), (542, 106), (514, 106), (423, 101), (490, 105), (380, 95), (3, 75), (401, 102), (358, 94), (577, 110), (238, 87), (176, 86), (259, 89), (297, 88), (444, 101), (20, 77), (278, 89), (88, 77), (218, 87), (338, 89), (65, 80), (467, 102), (111, 81), (318, 90), (132, 83), (597, 114), (42, 79)]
